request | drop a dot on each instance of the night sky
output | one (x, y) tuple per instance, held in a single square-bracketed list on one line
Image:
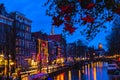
[(35, 12)]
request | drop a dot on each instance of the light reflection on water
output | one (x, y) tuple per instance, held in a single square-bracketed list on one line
[(93, 71), (69, 75)]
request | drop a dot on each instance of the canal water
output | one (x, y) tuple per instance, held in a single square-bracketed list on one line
[(93, 71)]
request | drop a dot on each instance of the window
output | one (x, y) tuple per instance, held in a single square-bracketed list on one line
[(27, 28), (1, 20), (22, 42), (17, 41), (17, 24), (18, 34), (17, 50)]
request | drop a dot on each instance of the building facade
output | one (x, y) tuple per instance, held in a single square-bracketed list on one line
[(100, 52), (6, 36), (57, 49), (71, 49), (41, 49), (22, 37), (5, 28)]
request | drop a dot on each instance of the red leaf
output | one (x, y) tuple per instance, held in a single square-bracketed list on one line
[(67, 18), (64, 8), (55, 18), (79, 0), (90, 6), (67, 8), (118, 11), (68, 25), (57, 21), (88, 19), (109, 18), (84, 19), (72, 30), (69, 28)]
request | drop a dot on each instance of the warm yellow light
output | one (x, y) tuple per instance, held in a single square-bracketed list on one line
[(11, 63), (100, 46), (62, 76), (79, 75), (94, 73), (62, 60), (33, 63), (1, 55), (0, 60), (5, 62), (53, 61), (69, 75)]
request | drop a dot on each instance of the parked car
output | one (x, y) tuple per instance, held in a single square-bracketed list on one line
[(112, 66), (113, 69)]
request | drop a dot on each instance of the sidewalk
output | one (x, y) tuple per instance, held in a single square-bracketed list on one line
[(36, 76), (44, 72)]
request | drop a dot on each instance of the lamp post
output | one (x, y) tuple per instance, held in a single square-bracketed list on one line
[(7, 53), (43, 45), (8, 48), (2, 62)]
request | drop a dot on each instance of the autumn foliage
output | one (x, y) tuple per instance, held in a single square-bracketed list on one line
[(90, 13)]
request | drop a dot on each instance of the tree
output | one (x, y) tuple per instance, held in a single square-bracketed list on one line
[(89, 15), (114, 38)]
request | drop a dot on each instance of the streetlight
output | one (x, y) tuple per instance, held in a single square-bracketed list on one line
[(7, 51), (8, 47), (2, 62)]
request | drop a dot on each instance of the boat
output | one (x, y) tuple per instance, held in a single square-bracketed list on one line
[(113, 69), (39, 76)]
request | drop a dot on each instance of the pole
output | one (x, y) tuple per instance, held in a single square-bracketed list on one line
[(8, 66), (7, 51), (40, 58)]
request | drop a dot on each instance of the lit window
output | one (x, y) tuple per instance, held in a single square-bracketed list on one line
[(17, 50)]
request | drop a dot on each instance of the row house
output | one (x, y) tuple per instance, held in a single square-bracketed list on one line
[(15, 36), (5, 29), (33, 51), (57, 49), (74, 51), (71, 49), (100, 52), (6, 36), (18, 43), (41, 49), (22, 38), (49, 48)]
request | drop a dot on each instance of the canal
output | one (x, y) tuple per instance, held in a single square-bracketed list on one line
[(93, 71)]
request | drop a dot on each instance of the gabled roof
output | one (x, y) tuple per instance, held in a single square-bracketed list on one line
[(57, 37), (40, 35), (36, 34)]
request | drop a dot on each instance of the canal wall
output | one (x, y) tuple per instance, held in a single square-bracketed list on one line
[(61, 69)]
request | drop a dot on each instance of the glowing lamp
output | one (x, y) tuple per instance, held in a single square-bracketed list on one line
[(100, 46), (43, 44)]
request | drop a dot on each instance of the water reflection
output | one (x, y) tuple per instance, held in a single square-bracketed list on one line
[(58, 77), (79, 75), (69, 75), (93, 71)]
